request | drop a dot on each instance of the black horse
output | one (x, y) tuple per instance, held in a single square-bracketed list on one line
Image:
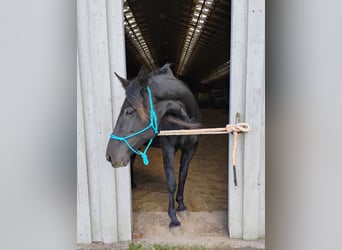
[(175, 108)]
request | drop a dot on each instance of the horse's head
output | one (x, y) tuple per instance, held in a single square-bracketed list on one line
[(133, 118), (174, 105)]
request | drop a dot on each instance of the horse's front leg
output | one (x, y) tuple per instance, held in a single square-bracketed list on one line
[(183, 172), (132, 159), (168, 158)]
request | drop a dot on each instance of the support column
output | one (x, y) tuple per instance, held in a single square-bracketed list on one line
[(255, 89), (101, 52), (117, 61), (237, 91), (246, 209)]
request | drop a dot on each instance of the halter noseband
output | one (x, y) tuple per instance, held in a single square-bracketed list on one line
[(153, 124)]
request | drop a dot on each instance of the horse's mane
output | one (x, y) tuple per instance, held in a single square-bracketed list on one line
[(135, 98), (135, 89)]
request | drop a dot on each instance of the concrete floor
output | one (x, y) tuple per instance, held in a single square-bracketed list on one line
[(254, 245)]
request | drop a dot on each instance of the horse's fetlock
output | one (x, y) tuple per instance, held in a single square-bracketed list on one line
[(172, 213), (181, 207), (179, 198)]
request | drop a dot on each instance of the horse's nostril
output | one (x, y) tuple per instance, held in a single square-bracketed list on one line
[(108, 158)]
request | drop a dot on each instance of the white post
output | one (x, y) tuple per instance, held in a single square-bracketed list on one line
[(261, 232), (87, 86), (101, 51), (246, 209), (255, 88), (83, 213), (117, 56), (237, 105)]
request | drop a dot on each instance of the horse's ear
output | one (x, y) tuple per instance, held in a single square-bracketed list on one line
[(143, 76), (123, 81), (167, 66)]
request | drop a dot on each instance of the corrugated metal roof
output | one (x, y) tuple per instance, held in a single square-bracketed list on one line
[(164, 26)]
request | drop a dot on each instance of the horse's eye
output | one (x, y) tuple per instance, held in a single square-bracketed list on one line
[(129, 111)]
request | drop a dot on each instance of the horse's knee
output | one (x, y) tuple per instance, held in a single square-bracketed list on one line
[(172, 187)]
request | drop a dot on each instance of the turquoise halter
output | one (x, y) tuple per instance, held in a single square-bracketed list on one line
[(153, 124)]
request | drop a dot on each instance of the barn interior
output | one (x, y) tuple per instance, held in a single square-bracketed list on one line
[(193, 35)]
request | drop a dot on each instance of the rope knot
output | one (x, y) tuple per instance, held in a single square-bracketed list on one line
[(239, 127)]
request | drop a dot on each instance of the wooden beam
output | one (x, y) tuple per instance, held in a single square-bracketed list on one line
[(101, 51), (255, 88), (83, 211), (237, 105), (117, 63)]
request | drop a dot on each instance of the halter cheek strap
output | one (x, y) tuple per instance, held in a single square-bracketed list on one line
[(153, 124)]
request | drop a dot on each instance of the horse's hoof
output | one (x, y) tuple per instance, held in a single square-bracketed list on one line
[(175, 230), (184, 214), (181, 208), (174, 224)]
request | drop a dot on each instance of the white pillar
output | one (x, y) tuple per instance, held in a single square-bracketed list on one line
[(237, 105), (254, 144), (246, 215), (83, 213), (100, 52), (116, 38)]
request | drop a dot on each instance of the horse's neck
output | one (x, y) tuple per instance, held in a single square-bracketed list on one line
[(184, 108), (170, 89)]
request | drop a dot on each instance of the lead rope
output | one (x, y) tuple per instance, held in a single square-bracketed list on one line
[(240, 127), (235, 128)]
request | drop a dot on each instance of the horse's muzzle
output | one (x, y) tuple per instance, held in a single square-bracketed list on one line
[(117, 164), (120, 164)]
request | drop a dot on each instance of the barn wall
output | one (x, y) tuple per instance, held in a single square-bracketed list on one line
[(246, 215), (103, 193)]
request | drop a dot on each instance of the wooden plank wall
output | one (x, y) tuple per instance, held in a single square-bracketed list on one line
[(104, 194)]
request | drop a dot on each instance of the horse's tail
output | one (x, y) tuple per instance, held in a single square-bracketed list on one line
[(185, 124)]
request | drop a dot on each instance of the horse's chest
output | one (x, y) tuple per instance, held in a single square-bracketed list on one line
[(185, 142)]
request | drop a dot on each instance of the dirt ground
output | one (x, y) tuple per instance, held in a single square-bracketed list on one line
[(199, 230)]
